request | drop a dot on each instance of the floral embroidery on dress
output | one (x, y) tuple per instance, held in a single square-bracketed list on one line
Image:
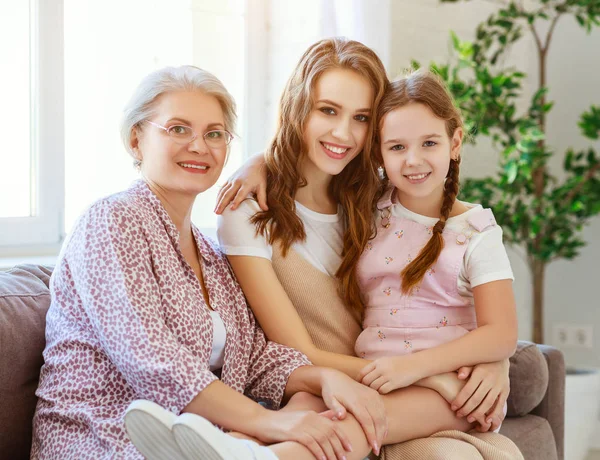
[(387, 291), (393, 311), (399, 233), (430, 271), (388, 260), (381, 335), (407, 345), (443, 322), (369, 246)]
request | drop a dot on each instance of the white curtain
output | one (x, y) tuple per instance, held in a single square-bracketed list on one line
[(367, 21)]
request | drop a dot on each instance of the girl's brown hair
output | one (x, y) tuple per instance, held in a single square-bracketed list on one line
[(424, 87), (354, 188)]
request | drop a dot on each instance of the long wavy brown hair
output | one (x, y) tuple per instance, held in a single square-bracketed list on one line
[(424, 87), (354, 188)]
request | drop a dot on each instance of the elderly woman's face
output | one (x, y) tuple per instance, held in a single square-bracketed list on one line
[(188, 168)]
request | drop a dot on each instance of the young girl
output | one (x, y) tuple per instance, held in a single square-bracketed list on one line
[(436, 278)]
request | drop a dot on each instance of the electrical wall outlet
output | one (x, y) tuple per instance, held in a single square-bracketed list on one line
[(572, 335), (582, 336), (560, 335)]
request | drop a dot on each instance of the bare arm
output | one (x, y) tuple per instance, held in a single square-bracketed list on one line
[(278, 316), (494, 340)]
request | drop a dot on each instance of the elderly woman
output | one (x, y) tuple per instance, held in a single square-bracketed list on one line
[(146, 307)]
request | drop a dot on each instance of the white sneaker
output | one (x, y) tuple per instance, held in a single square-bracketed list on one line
[(199, 439), (149, 428)]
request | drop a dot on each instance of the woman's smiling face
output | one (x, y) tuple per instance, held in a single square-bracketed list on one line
[(337, 126)]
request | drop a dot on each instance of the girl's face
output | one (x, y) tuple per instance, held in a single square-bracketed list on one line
[(191, 168), (416, 152), (337, 125)]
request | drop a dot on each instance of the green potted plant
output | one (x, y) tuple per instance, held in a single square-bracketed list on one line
[(542, 215)]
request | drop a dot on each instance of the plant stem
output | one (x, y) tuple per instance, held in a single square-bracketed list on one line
[(551, 31), (538, 175), (538, 271), (590, 173)]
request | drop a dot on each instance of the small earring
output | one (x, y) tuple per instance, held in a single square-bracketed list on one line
[(137, 164)]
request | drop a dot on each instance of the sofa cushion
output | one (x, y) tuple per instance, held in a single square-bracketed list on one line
[(532, 435), (528, 379), (24, 301)]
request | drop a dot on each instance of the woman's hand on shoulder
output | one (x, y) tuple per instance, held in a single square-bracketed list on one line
[(483, 397), (341, 393), (249, 178)]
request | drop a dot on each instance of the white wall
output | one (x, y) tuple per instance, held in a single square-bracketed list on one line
[(420, 30)]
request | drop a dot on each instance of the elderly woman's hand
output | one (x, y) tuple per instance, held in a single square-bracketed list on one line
[(320, 434), (249, 178), (341, 393)]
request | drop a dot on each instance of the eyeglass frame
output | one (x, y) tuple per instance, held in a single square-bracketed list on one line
[(194, 134)]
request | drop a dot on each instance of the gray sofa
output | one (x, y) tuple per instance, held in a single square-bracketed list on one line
[(535, 419)]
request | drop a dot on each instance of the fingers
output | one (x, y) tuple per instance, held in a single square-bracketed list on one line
[(378, 415), (464, 394), (465, 372), (367, 423), (386, 388), (225, 196), (339, 409), (378, 382), (473, 402), (331, 415), (497, 415), (332, 440), (343, 437), (311, 444), (480, 413), (240, 196), (366, 370), (261, 197)]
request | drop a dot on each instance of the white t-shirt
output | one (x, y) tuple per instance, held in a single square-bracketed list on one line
[(485, 258), (322, 247), (219, 338)]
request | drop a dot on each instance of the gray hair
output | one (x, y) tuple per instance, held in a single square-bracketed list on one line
[(184, 78)]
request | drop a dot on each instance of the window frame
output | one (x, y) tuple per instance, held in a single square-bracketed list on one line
[(43, 233), (45, 228)]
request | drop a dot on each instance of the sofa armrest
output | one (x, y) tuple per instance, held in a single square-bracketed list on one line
[(552, 407)]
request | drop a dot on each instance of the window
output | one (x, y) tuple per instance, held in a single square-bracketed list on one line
[(109, 47), (31, 161), (74, 64)]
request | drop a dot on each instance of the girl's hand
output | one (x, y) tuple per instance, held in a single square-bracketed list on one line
[(249, 178), (319, 434), (390, 373), (485, 394), (341, 393)]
